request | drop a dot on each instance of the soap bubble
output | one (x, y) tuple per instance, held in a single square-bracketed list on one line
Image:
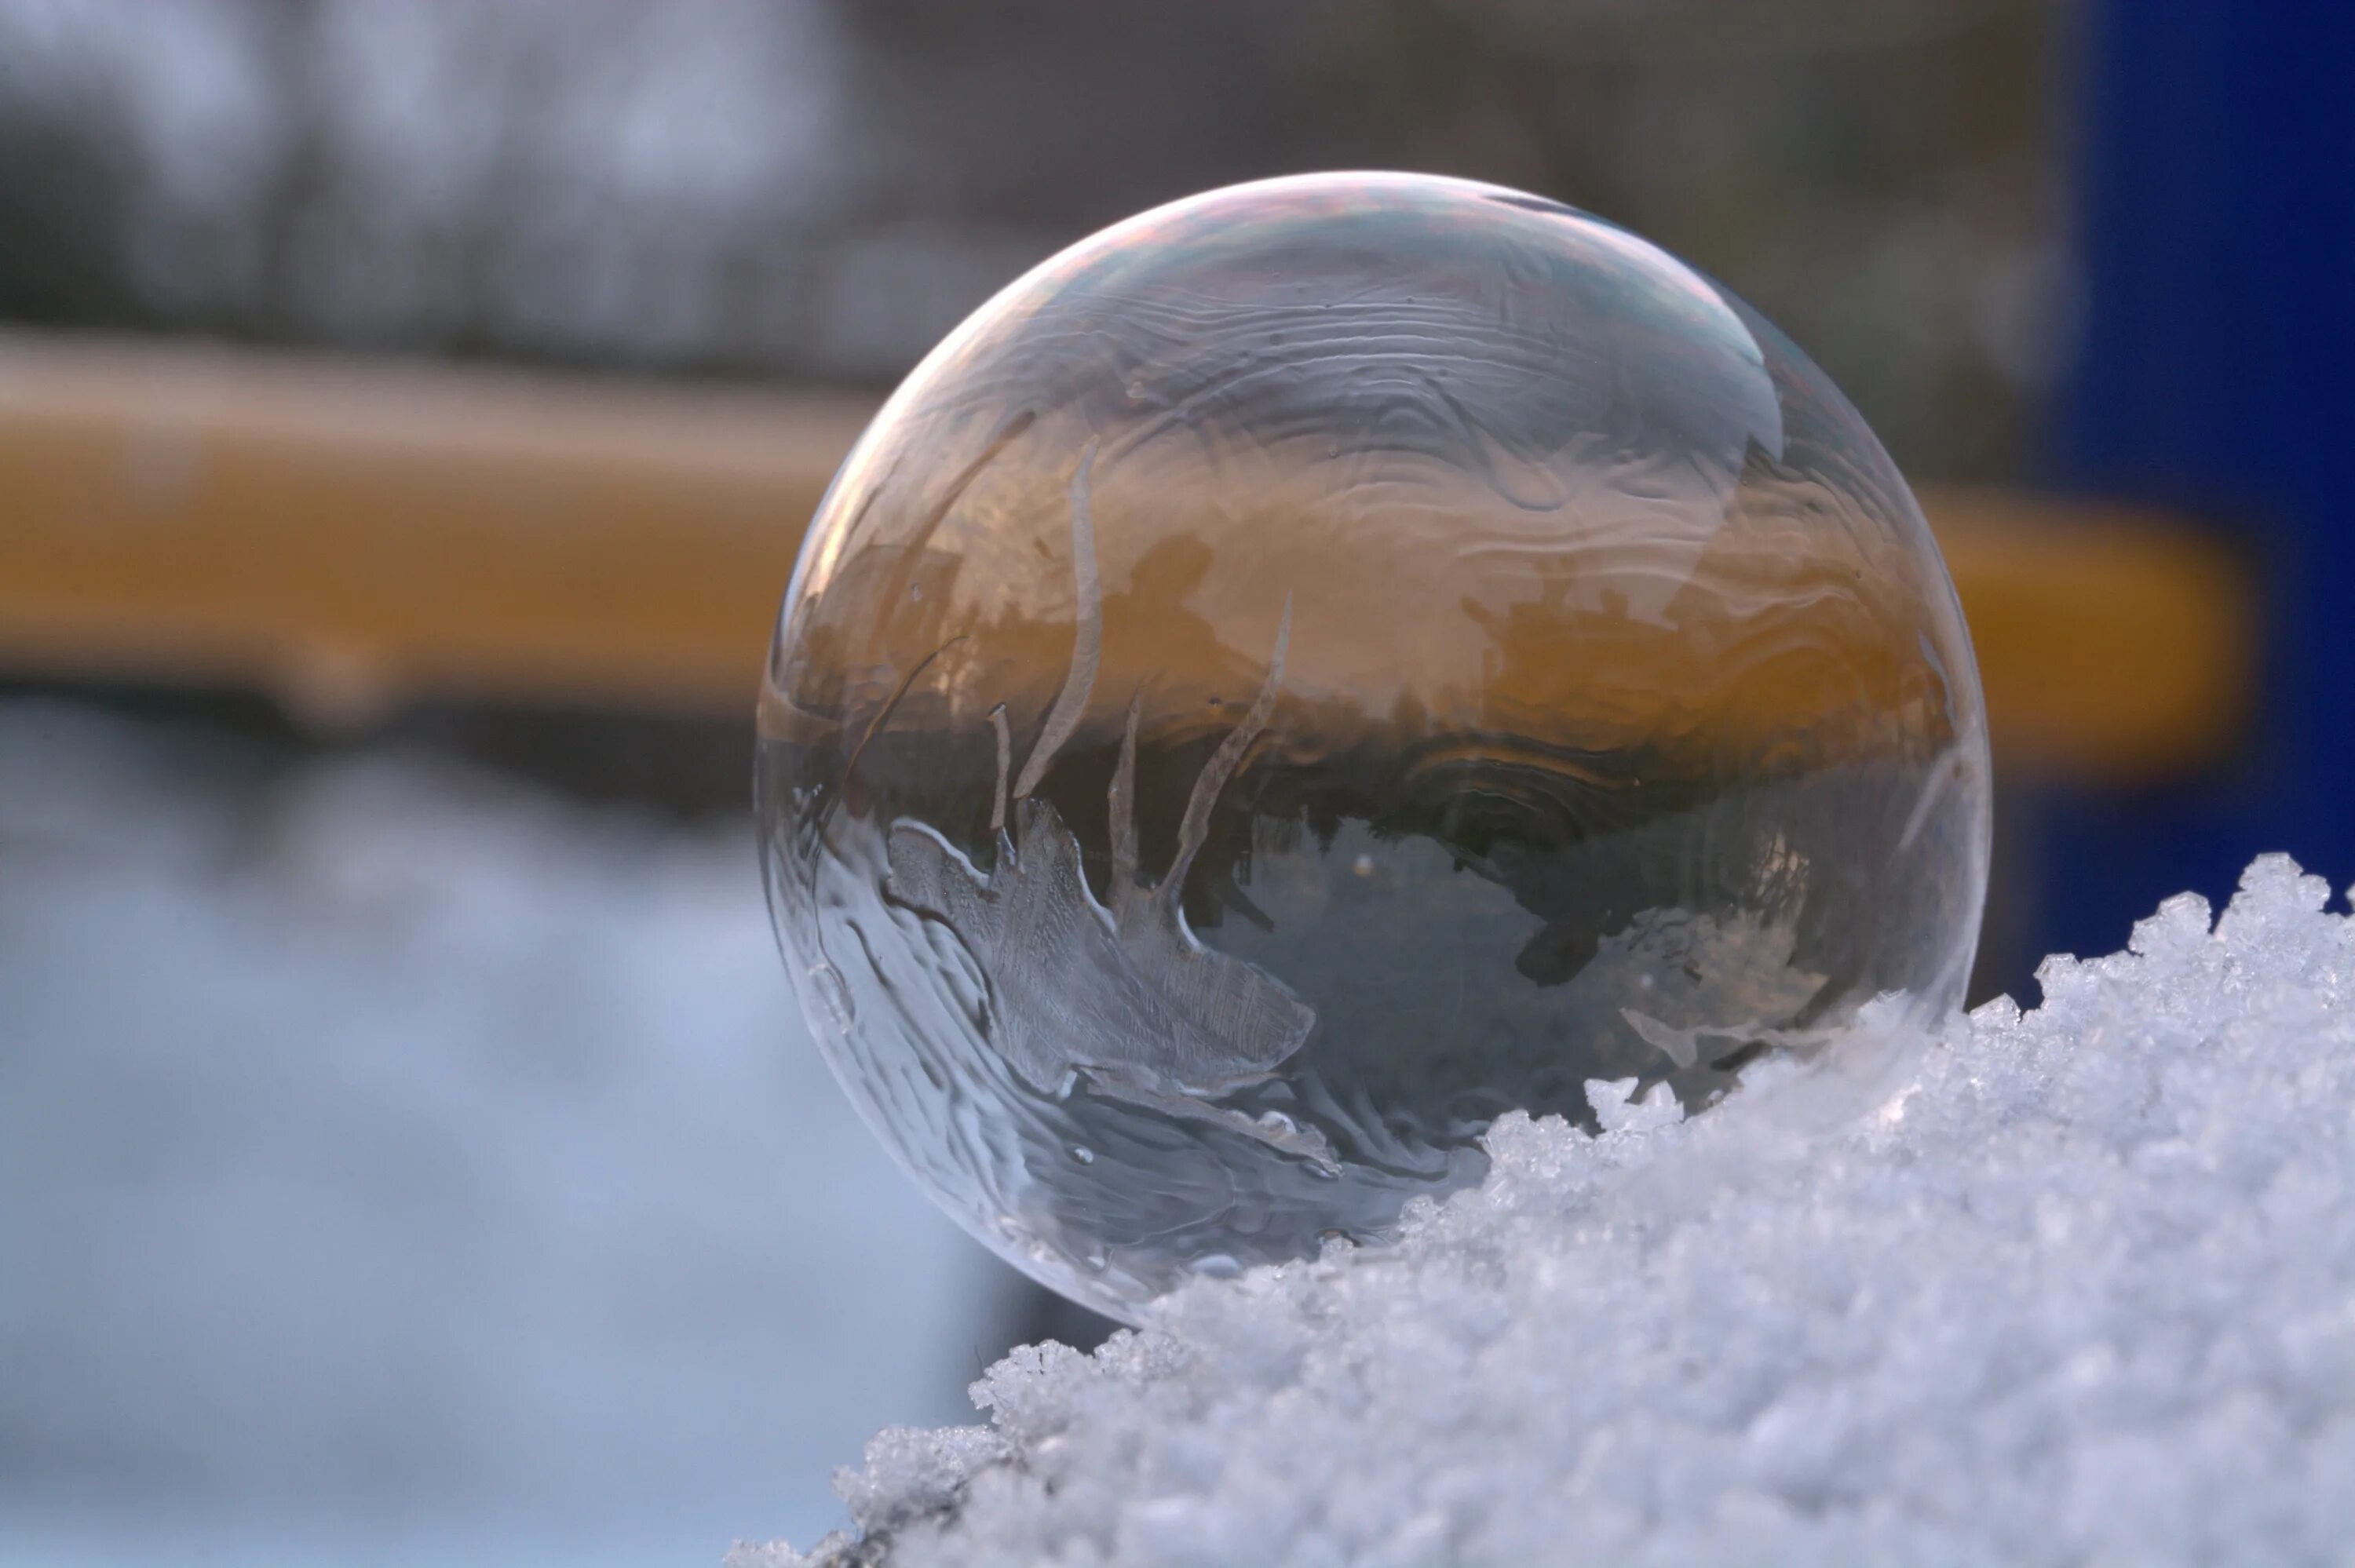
[(1325, 663)]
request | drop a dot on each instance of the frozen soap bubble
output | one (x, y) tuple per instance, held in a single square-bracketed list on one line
[(1320, 665)]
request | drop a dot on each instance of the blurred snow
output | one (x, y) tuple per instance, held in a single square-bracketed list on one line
[(398, 1165), (2073, 1286)]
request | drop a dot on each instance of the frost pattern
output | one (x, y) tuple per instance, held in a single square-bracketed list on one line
[(1126, 998)]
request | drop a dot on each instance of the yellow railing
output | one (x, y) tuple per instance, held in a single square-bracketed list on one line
[(351, 533)]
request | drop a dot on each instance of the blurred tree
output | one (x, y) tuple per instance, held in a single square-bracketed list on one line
[(823, 190)]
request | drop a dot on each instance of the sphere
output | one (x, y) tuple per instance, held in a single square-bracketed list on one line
[(1323, 664)]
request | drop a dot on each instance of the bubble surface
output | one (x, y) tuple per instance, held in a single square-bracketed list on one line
[(1323, 664)]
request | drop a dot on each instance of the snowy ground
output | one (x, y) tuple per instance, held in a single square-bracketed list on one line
[(401, 1166), (397, 1166), (2071, 1288)]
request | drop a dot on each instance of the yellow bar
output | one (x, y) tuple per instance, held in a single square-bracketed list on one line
[(348, 534), (351, 533), (2117, 644)]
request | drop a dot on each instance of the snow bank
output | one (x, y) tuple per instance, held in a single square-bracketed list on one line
[(2064, 1286), (399, 1165)]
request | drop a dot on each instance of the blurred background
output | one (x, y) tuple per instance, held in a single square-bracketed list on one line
[(409, 1150)]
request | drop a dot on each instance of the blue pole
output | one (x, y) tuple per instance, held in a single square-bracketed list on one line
[(2216, 374)]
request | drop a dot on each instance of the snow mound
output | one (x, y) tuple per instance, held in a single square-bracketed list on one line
[(2071, 1286)]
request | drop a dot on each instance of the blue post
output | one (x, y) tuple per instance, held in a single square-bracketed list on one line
[(2216, 374)]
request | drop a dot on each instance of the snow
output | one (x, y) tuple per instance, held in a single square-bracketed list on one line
[(2063, 1287), (399, 1165), (402, 1166)]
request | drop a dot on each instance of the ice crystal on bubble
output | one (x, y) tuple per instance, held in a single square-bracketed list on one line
[(1329, 664)]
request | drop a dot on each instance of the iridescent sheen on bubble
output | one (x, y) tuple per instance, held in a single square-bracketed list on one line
[(1325, 663)]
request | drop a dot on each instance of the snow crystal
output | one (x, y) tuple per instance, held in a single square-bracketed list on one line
[(2074, 1285)]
